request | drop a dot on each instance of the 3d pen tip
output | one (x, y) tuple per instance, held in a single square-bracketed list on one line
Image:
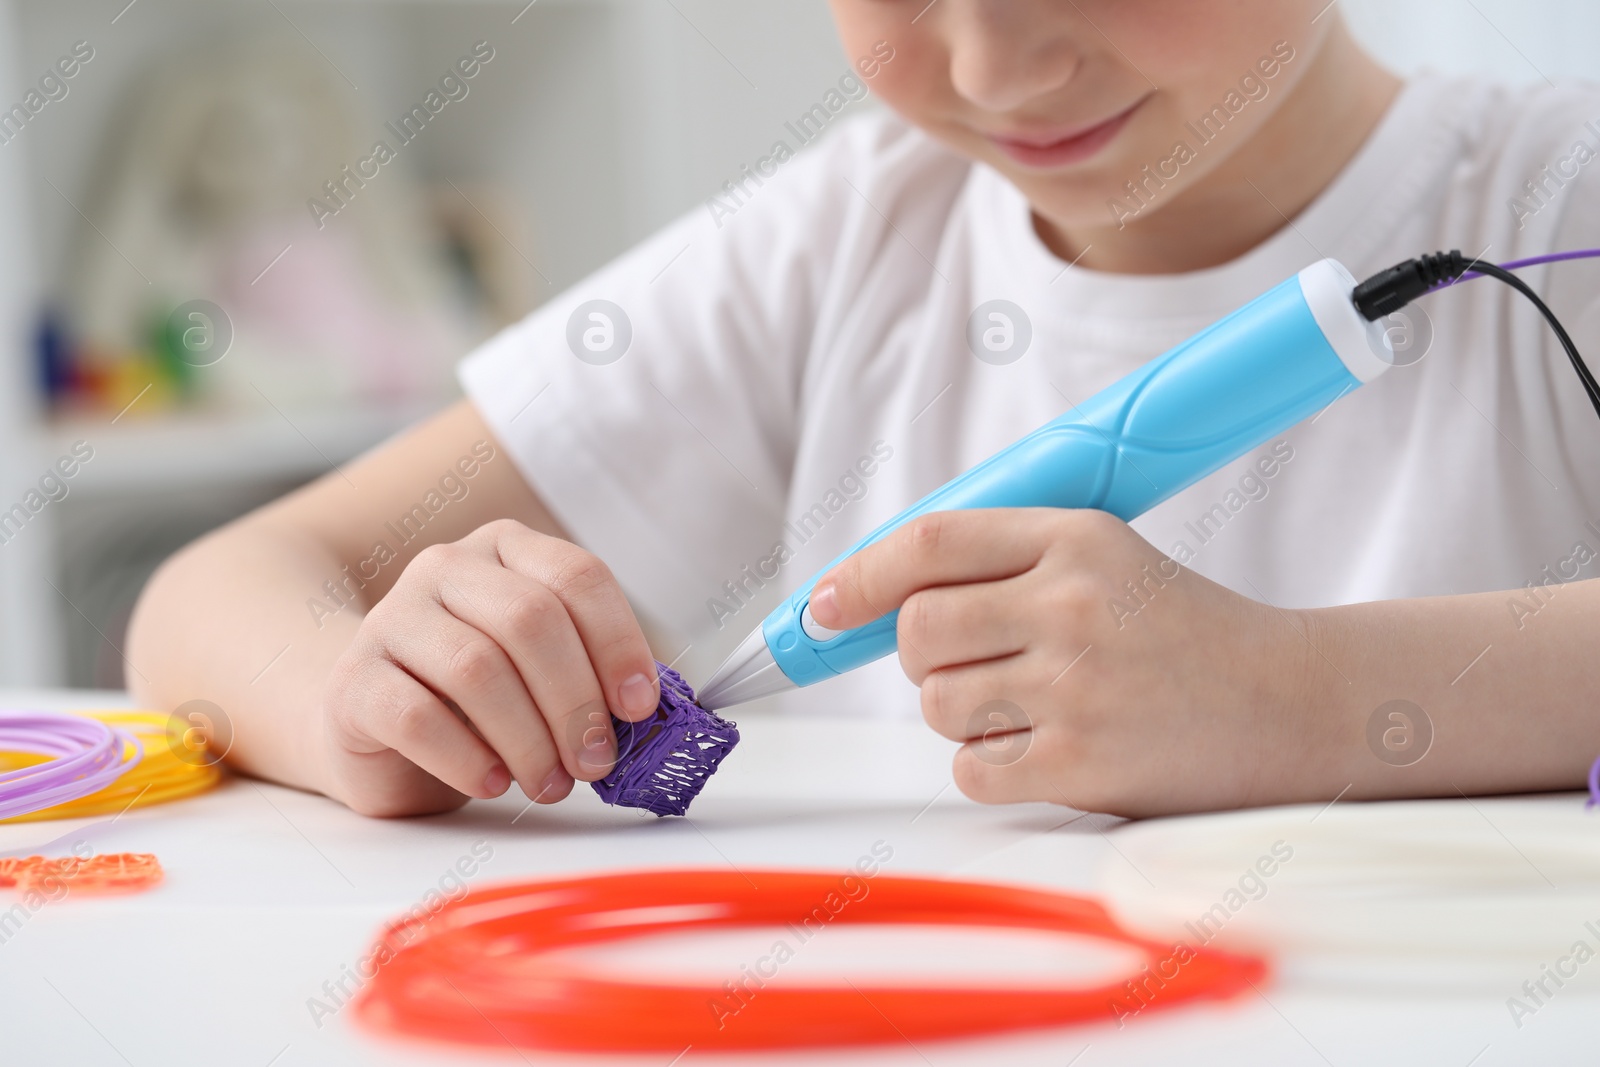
[(749, 672)]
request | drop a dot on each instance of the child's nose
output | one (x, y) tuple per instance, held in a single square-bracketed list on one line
[(1005, 53)]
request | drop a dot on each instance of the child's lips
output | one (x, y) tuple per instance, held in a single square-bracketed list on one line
[(1063, 147)]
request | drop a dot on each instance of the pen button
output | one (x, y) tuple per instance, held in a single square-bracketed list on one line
[(814, 629)]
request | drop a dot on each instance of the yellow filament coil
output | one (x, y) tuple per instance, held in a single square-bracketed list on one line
[(175, 765)]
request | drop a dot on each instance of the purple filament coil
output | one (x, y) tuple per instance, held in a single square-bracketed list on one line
[(665, 760), (87, 756)]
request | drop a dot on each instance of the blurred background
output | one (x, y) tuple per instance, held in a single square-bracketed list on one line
[(212, 288)]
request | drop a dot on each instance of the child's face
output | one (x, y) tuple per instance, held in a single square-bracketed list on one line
[(1072, 99)]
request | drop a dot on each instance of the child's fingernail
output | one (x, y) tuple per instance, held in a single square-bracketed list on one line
[(554, 782), (825, 604), (597, 753), (497, 781), (638, 694)]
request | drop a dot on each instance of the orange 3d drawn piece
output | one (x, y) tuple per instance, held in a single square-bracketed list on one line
[(481, 972), (115, 872)]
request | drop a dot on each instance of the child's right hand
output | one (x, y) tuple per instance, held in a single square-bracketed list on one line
[(500, 656)]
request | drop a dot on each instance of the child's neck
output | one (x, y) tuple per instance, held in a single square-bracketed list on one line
[(1268, 181)]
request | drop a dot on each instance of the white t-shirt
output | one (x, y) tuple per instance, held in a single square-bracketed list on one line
[(800, 370)]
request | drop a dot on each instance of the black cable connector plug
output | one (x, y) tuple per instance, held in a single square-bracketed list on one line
[(1390, 290)]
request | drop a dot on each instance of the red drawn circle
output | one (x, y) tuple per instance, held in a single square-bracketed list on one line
[(479, 971)]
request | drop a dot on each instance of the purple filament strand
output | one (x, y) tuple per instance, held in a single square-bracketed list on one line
[(87, 757), (1531, 261)]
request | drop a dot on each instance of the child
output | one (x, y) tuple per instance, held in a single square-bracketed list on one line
[(743, 396)]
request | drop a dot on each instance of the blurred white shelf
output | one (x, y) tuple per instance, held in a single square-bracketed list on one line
[(205, 449)]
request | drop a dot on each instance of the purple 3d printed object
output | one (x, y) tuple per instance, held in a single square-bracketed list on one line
[(665, 760)]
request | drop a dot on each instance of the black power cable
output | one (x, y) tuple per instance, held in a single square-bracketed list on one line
[(1390, 290)]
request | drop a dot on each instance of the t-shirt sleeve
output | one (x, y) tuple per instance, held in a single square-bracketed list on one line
[(654, 405)]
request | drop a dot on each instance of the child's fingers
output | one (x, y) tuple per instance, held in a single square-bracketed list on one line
[(396, 711), (976, 700), (464, 665), (990, 780), (616, 646), (973, 704), (940, 548), (955, 624), (547, 661)]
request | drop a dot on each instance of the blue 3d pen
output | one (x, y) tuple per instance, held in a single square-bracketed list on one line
[(1233, 386)]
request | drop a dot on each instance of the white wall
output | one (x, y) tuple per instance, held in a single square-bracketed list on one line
[(1513, 40), (28, 629)]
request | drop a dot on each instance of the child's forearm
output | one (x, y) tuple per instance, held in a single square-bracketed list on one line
[(1505, 682), (227, 621)]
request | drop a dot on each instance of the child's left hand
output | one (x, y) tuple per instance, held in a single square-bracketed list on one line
[(1021, 629)]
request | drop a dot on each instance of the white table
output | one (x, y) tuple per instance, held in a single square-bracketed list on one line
[(271, 893)]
